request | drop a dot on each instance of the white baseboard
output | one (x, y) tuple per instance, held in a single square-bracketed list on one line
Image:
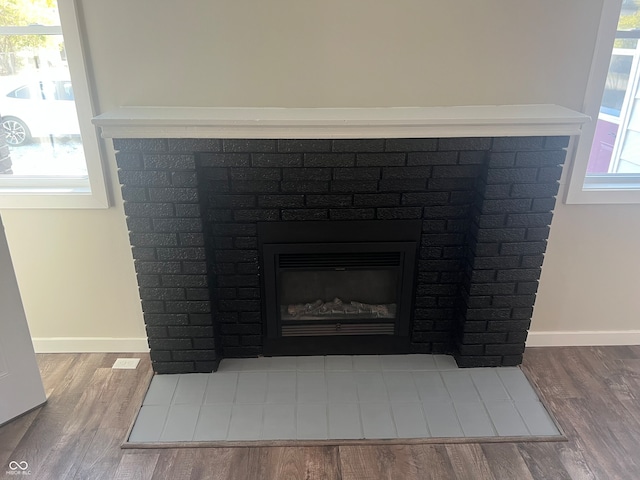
[(585, 338), (90, 345)]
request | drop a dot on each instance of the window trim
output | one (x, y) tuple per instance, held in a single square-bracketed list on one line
[(55, 192), (598, 191)]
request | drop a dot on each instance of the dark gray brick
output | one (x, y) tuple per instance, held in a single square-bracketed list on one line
[(513, 300), (177, 225), (255, 174), (455, 171), (354, 186), (231, 201), (362, 173), (329, 200), (553, 143), (532, 261), (492, 288), (426, 198), (189, 195), (303, 145), (276, 160), (435, 239), (396, 213), (162, 293), (188, 306), (352, 214), (157, 319), (467, 143), (381, 159), (538, 233), (359, 145), (190, 331), (519, 275), (549, 174), (280, 201), (527, 287), (529, 220), (181, 253), (234, 230), (406, 172), (135, 194), (511, 175), (248, 145), (245, 243), (236, 255), (410, 144), (402, 185), (523, 248), (255, 186), (184, 179), (139, 224), (218, 215), (146, 267), (191, 239), (329, 160), (508, 325), (148, 209), (223, 160), (501, 159), (305, 187), (169, 162), (454, 211), (487, 313), (129, 161), (543, 204), (144, 253), (239, 305), (195, 145), (194, 268), (540, 159), (152, 306), (184, 280), (473, 157), (504, 144), (495, 262), (306, 173), (148, 280), (153, 239), (187, 210), (305, 214), (248, 293), (134, 178), (433, 158), (539, 190), (450, 184), (376, 199), (501, 234), (507, 205), (256, 215)]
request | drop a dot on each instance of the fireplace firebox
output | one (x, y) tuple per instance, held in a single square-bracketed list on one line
[(350, 291)]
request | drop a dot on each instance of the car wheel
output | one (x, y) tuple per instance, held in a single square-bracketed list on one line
[(15, 131)]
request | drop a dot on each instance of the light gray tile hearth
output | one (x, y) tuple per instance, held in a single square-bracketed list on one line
[(342, 397)]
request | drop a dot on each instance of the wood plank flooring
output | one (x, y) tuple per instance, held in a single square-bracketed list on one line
[(594, 392)]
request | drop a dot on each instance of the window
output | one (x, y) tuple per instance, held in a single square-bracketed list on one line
[(606, 168), (46, 110)]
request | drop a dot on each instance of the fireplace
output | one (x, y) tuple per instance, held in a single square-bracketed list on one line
[(338, 287), (197, 209)]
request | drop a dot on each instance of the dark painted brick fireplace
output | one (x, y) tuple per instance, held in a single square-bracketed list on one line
[(193, 206)]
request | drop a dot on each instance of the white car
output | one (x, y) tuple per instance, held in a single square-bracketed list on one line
[(37, 108)]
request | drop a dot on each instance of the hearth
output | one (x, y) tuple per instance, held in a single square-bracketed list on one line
[(338, 287)]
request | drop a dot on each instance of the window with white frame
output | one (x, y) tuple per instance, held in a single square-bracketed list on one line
[(607, 158), (46, 110)]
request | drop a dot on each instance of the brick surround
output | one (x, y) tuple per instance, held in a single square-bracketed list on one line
[(192, 207)]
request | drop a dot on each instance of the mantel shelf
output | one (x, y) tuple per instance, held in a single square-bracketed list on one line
[(391, 122)]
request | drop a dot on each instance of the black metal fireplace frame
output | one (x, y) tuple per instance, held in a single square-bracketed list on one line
[(399, 236)]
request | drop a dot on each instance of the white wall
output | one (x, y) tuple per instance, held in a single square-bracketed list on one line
[(75, 267)]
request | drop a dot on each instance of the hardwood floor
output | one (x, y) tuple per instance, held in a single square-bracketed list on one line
[(594, 393)]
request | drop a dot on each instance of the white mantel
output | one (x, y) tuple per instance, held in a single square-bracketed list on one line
[(389, 122)]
